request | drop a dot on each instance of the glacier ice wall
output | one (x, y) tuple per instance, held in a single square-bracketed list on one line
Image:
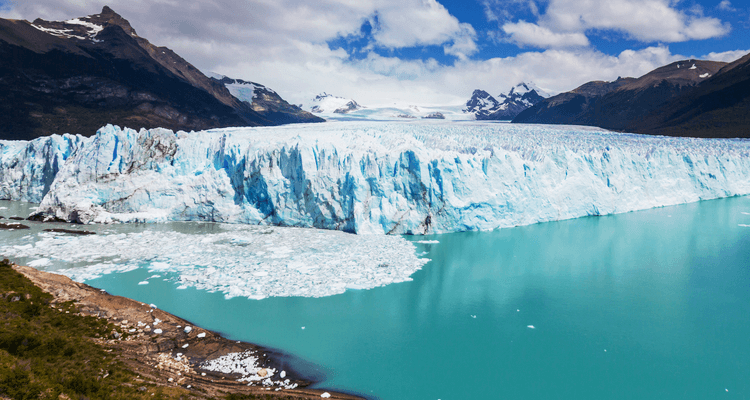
[(27, 168), (369, 177)]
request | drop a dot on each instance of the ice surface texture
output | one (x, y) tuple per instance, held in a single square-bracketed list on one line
[(238, 260), (27, 169), (369, 177)]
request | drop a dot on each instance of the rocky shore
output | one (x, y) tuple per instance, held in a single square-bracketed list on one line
[(169, 351)]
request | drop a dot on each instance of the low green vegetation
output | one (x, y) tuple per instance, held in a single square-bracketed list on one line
[(48, 353)]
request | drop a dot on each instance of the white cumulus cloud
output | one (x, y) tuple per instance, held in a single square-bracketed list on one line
[(726, 5), (644, 20), (567, 22), (726, 56), (409, 23), (525, 33)]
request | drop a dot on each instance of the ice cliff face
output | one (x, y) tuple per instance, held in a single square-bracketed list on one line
[(27, 169), (365, 177)]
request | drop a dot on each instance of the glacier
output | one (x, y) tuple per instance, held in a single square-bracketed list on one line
[(415, 177), (28, 168)]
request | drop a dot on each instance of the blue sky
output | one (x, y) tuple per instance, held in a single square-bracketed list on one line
[(492, 41), (424, 52)]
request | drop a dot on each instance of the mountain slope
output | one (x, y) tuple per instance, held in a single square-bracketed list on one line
[(266, 101), (623, 104), (76, 76), (718, 107), (519, 98), (481, 104)]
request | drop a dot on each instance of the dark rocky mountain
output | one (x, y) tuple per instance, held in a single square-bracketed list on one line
[(719, 107), (481, 104), (519, 98), (76, 76), (566, 108), (684, 98), (266, 101)]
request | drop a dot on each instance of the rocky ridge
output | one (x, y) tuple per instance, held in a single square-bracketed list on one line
[(519, 98), (78, 75)]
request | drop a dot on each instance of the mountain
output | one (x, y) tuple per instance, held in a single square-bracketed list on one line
[(481, 104), (519, 98), (78, 75), (566, 108), (718, 107), (328, 103), (265, 101), (649, 104)]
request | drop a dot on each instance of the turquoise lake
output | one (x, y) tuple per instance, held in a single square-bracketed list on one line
[(645, 305)]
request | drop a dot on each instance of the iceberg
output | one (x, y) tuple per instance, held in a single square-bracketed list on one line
[(414, 177), (237, 260)]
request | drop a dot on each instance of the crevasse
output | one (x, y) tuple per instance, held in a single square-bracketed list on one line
[(369, 177)]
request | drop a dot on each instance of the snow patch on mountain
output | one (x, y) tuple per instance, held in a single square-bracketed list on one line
[(76, 28), (242, 90), (93, 29), (523, 88), (63, 33)]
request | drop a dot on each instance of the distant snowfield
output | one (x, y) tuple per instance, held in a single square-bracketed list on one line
[(368, 177), (399, 113)]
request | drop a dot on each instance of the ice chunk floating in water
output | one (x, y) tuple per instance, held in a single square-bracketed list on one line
[(237, 260), (374, 177)]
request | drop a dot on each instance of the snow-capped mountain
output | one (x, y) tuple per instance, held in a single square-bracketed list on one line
[(519, 98), (328, 103), (481, 104)]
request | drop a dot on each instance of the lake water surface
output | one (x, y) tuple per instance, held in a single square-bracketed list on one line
[(645, 305)]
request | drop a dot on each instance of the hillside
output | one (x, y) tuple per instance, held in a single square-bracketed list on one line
[(684, 98), (78, 75), (718, 107)]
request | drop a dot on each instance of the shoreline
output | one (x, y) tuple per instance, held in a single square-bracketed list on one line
[(158, 345)]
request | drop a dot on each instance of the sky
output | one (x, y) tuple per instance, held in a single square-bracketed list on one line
[(423, 52)]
